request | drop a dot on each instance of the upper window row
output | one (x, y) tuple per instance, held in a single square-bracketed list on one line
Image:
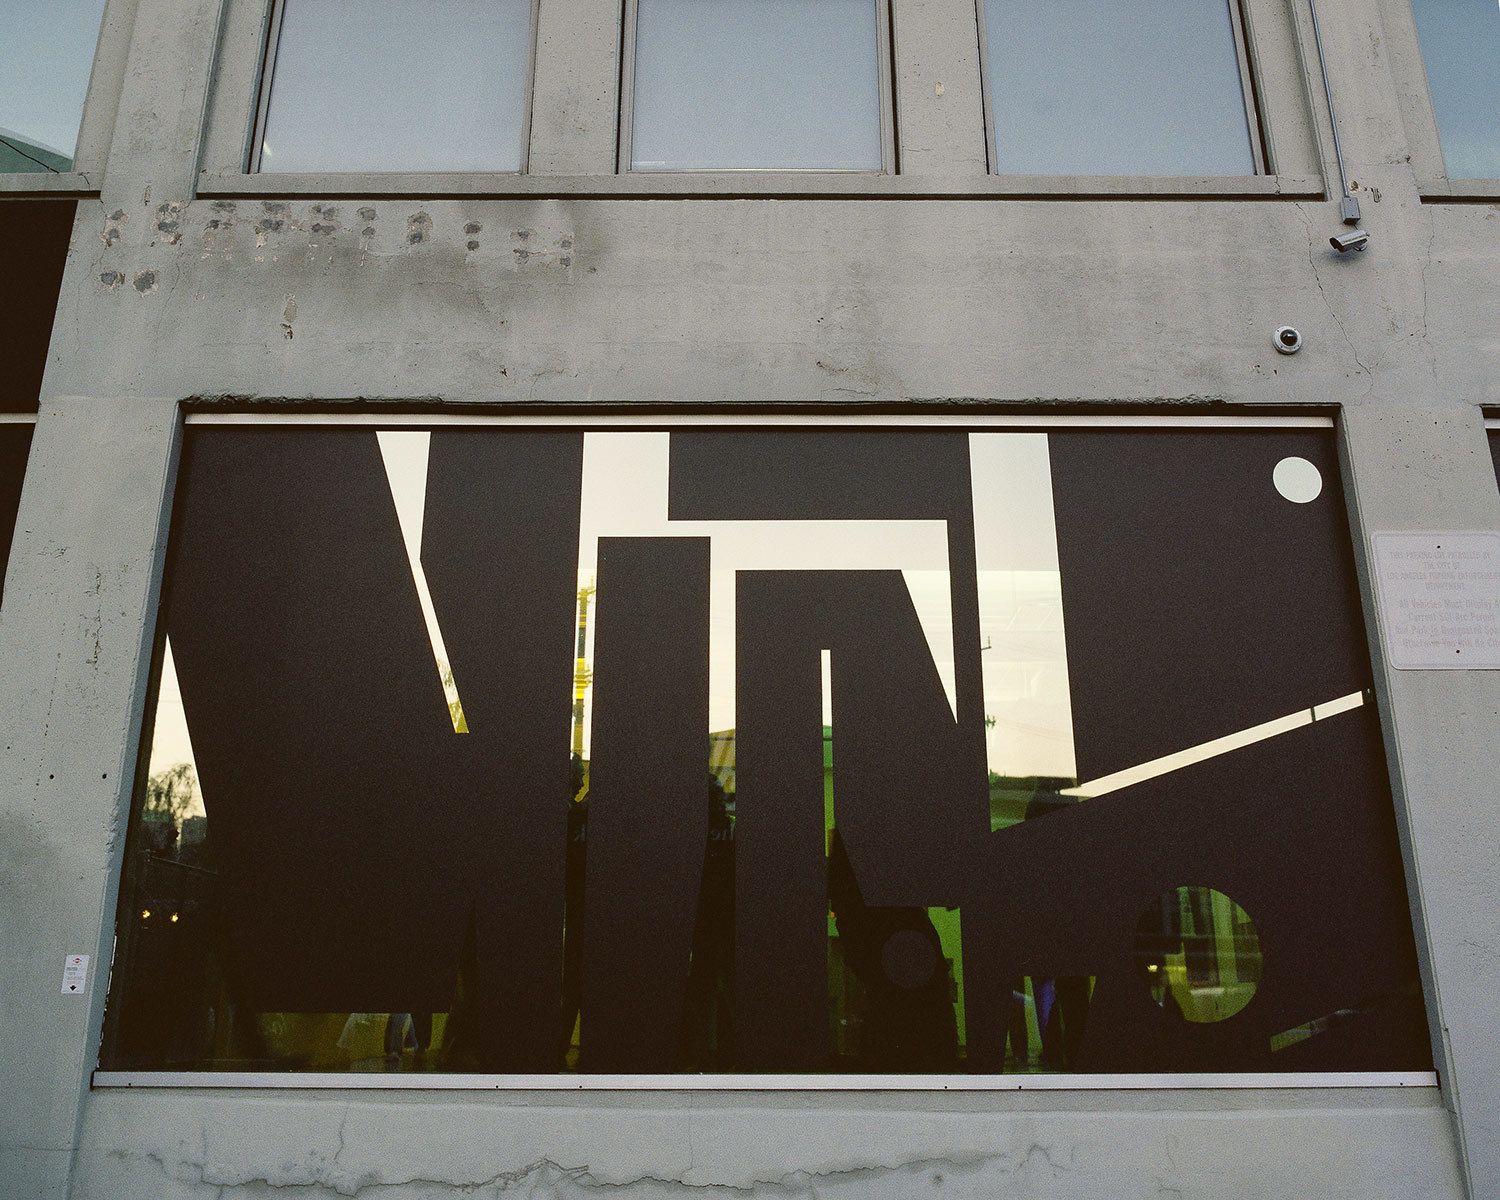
[(1083, 87), (758, 84)]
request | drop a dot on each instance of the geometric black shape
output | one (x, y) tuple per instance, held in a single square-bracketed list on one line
[(648, 799), (15, 446), (828, 474), (1198, 600), (365, 857), (500, 553), (909, 802), (34, 237), (1297, 828), (319, 725), (781, 873)]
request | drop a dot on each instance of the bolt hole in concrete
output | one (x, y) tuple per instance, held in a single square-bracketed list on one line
[(1199, 954)]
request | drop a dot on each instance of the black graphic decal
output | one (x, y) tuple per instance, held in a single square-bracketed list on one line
[(648, 799), (472, 805), (319, 725), (500, 551), (15, 446), (1198, 600)]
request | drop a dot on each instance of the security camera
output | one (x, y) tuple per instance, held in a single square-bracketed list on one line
[(1288, 340), (1355, 239)]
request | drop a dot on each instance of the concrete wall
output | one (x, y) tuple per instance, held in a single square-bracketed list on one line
[(190, 281)]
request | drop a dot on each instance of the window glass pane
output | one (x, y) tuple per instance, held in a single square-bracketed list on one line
[(1090, 87), (34, 236), (726, 749), (46, 54), (1461, 47), (15, 446), (790, 84), (420, 85)]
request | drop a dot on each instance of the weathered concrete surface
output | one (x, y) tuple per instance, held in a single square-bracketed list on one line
[(939, 98), (159, 117), (167, 1146), (780, 299), (86, 566), (492, 301), (1415, 469), (574, 100)]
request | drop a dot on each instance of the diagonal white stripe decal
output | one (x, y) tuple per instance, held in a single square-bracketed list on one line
[(405, 458), (1212, 749)]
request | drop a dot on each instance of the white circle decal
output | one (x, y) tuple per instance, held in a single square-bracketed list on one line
[(1298, 480)]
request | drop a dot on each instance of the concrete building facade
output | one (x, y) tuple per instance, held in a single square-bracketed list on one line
[(935, 291)]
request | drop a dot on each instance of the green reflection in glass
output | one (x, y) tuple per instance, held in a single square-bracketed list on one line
[(1199, 954)]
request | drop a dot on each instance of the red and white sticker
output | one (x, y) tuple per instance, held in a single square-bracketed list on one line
[(75, 974)]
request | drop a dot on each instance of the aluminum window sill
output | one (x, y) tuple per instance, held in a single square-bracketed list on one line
[(766, 184), (763, 1083)]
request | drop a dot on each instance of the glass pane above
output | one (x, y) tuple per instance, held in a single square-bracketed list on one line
[(422, 85), (46, 55), (1461, 48), (756, 84), (1089, 87)]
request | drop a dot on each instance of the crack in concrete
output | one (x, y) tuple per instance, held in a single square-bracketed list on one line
[(1481, 948), (1426, 266), (546, 1178), (1322, 295)]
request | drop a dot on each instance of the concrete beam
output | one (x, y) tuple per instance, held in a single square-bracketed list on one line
[(1414, 467), (75, 640)]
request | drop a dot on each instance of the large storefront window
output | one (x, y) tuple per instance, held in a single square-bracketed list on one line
[(724, 748)]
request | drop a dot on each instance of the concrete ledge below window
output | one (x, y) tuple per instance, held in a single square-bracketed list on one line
[(52, 183), (768, 184), (1459, 189), (1388, 1144)]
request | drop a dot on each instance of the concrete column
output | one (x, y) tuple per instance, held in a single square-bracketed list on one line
[(153, 156), (575, 95), (939, 100), (1416, 467), (75, 640)]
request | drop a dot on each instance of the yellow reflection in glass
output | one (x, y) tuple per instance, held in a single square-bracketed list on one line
[(1199, 954)]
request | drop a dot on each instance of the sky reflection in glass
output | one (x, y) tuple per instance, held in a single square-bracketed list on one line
[(1085, 87), (743, 84), (1461, 47), (417, 86)]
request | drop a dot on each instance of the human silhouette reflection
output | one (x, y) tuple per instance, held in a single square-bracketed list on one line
[(909, 1022), (707, 1042), (1061, 1002)]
